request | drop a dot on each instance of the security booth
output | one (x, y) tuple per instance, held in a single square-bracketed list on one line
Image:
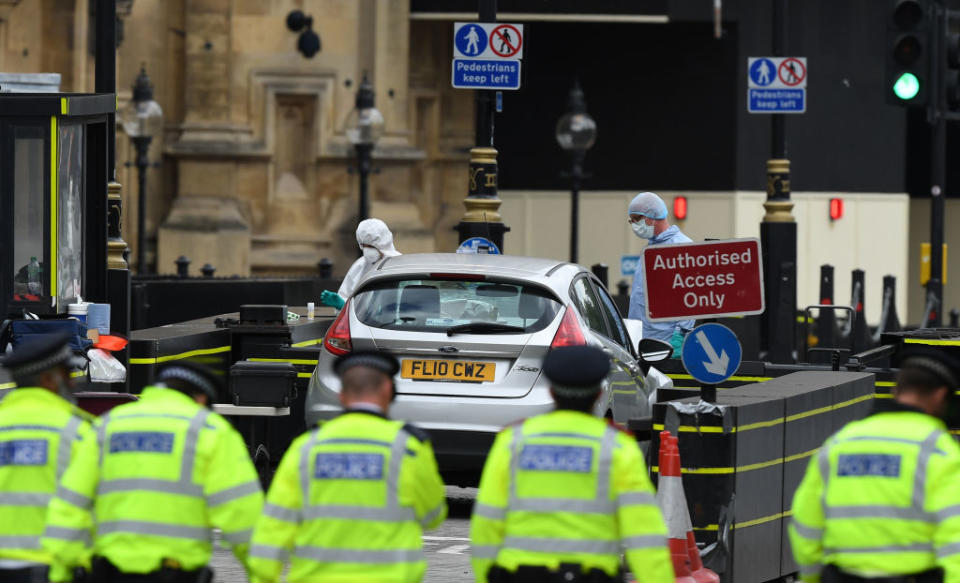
[(53, 200)]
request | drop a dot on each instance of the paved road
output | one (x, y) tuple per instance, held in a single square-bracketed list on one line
[(447, 548)]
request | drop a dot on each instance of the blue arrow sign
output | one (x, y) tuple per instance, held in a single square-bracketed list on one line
[(478, 245), (711, 353)]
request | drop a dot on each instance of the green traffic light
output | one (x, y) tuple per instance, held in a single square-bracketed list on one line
[(907, 86)]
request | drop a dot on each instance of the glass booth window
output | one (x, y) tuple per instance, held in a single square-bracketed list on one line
[(29, 262), (70, 214)]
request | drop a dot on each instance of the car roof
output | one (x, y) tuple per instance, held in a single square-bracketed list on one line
[(535, 269)]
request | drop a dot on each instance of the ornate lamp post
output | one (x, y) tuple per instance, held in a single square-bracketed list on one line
[(364, 128), (576, 133), (142, 120)]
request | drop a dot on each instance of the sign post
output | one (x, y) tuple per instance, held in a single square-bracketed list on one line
[(776, 84)]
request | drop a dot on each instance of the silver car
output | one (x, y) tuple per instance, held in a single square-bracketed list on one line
[(470, 332)]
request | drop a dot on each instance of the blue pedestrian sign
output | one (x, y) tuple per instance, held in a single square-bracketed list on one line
[(471, 40), (763, 72), (478, 245), (486, 74), (776, 84), (711, 353)]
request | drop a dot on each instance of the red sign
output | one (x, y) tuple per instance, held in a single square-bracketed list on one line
[(791, 72), (505, 40), (703, 280)]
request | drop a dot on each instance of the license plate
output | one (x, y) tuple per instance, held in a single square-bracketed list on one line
[(448, 370)]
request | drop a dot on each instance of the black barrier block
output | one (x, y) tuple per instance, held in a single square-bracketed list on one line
[(151, 347), (719, 461), (813, 403)]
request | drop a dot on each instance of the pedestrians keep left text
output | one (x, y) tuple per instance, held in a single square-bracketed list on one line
[(483, 74)]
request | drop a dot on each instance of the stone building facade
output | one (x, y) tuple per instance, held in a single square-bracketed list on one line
[(254, 172)]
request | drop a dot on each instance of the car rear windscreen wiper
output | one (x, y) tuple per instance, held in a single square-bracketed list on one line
[(485, 328)]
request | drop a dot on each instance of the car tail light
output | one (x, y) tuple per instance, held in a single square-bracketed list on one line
[(568, 334), (337, 340)]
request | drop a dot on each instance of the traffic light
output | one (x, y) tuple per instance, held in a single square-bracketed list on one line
[(951, 76), (908, 68)]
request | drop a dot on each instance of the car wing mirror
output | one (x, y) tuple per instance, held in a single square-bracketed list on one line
[(654, 350)]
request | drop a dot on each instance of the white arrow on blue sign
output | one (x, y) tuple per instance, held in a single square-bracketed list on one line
[(711, 353)]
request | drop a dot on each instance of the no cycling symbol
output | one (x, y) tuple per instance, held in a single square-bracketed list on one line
[(791, 72), (505, 40)]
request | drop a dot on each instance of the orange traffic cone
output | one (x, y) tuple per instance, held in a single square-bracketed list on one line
[(700, 573), (673, 505)]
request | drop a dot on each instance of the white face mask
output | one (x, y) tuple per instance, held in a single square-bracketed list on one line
[(642, 229), (371, 254)]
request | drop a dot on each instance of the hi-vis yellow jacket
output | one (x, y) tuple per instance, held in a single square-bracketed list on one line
[(350, 500), (565, 487), (161, 473), (881, 498), (39, 434)]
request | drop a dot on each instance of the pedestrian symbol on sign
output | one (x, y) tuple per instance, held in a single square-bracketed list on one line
[(762, 72), (471, 40)]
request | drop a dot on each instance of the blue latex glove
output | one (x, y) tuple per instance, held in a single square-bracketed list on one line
[(677, 342), (332, 299)]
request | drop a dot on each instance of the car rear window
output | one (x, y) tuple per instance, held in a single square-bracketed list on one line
[(434, 305)]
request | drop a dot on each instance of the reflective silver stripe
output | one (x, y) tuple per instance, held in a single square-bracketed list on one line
[(20, 542), (239, 537), (877, 511), (578, 505), (24, 499), (190, 446), (355, 441), (66, 445), (149, 485), (488, 511), (371, 556), (807, 531), (281, 513), (68, 534), (560, 545), (75, 498), (305, 465), (604, 467), (201, 533), (156, 415), (927, 448), (373, 513), (646, 541), (102, 437), (230, 494), (262, 551), (810, 570), (565, 434), (516, 441), (890, 439), (636, 499), (823, 463), (50, 428), (393, 478), (948, 512), (432, 515), (916, 547), (484, 551), (948, 549)]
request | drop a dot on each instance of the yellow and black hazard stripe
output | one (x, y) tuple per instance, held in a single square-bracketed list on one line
[(189, 354)]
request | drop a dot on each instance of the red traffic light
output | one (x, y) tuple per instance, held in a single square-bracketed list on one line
[(680, 208), (836, 209)]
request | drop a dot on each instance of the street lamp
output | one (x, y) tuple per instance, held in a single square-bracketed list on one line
[(364, 128), (576, 133), (142, 120)]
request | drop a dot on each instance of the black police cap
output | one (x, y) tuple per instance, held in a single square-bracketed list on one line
[(39, 354), (196, 376), (385, 363), (943, 366), (576, 370)]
